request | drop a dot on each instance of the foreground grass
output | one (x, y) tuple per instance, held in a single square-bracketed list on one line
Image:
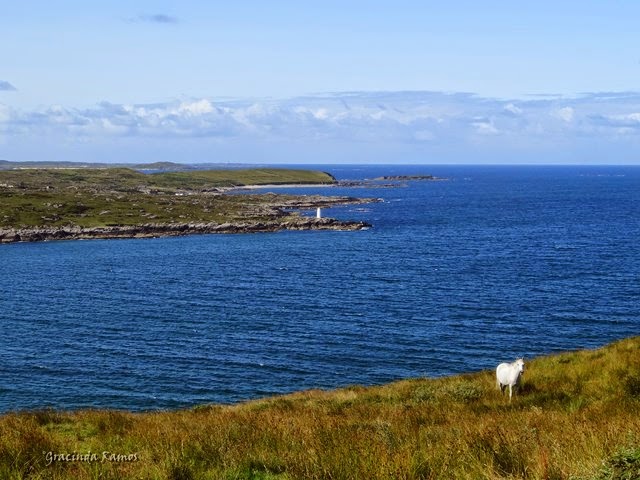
[(576, 417)]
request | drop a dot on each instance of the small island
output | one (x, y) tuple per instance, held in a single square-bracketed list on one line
[(67, 202), (407, 177)]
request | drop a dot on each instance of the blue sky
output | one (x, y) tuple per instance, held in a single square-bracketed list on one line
[(320, 82)]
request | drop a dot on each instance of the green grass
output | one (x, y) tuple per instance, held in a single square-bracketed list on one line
[(576, 416), (101, 209)]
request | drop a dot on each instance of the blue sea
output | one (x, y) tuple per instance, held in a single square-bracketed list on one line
[(454, 276)]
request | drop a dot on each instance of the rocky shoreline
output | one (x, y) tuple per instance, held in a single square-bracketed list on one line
[(153, 230), (75, 204)]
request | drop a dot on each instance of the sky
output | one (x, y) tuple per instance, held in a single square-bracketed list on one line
[(321, 82)]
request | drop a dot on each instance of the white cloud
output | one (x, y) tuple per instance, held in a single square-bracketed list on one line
[(631, 118), (511, 108), (199, 107), (565, 113), (486, 127), (321, 114)]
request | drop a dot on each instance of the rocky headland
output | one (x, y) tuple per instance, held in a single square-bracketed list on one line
[(152, 230), (73, 204)]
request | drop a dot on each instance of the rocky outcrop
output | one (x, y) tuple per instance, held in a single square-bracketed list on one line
[(407, 177), (150, 230)]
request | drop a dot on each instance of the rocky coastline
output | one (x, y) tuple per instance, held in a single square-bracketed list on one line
[(153, 230), (76, 204), (408, 177)]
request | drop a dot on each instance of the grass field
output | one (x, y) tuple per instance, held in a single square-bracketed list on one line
[(576, 416)]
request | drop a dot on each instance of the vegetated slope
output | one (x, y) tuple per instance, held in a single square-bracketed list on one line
[(576, 416), (124, 179), (257, 176)]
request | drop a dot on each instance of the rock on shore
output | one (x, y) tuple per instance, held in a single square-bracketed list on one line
[(150, 230)]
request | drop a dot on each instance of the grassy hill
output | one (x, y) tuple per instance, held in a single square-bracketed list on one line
[(577, 416), (124, 179)]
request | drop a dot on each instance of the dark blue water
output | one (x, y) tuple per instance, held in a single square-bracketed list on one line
[(455, 276)]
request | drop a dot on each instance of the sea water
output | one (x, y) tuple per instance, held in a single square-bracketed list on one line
[(455, 275)]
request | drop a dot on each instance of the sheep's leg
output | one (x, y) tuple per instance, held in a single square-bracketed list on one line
[(509, 393)]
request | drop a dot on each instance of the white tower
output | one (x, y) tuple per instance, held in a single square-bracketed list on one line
[(318, 213)]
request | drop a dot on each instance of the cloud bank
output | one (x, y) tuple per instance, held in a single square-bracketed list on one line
[(412, 124)]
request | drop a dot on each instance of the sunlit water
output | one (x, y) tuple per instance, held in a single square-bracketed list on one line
[(454, 276)]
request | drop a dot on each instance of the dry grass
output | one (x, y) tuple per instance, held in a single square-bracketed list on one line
[(575, 417)]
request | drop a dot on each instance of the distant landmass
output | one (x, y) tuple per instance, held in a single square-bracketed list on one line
[(155, 166), (64, 200)]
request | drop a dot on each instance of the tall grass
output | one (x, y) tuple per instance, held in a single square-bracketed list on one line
[(576, 416)]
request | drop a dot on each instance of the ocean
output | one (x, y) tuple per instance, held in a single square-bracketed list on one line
[(455, 275)]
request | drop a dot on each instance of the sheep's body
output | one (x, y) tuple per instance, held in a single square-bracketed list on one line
[(508, 374)]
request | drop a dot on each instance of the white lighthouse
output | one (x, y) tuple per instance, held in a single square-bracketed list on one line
[(319, 213)]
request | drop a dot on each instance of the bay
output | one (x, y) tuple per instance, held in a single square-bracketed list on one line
[(455, 275)]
